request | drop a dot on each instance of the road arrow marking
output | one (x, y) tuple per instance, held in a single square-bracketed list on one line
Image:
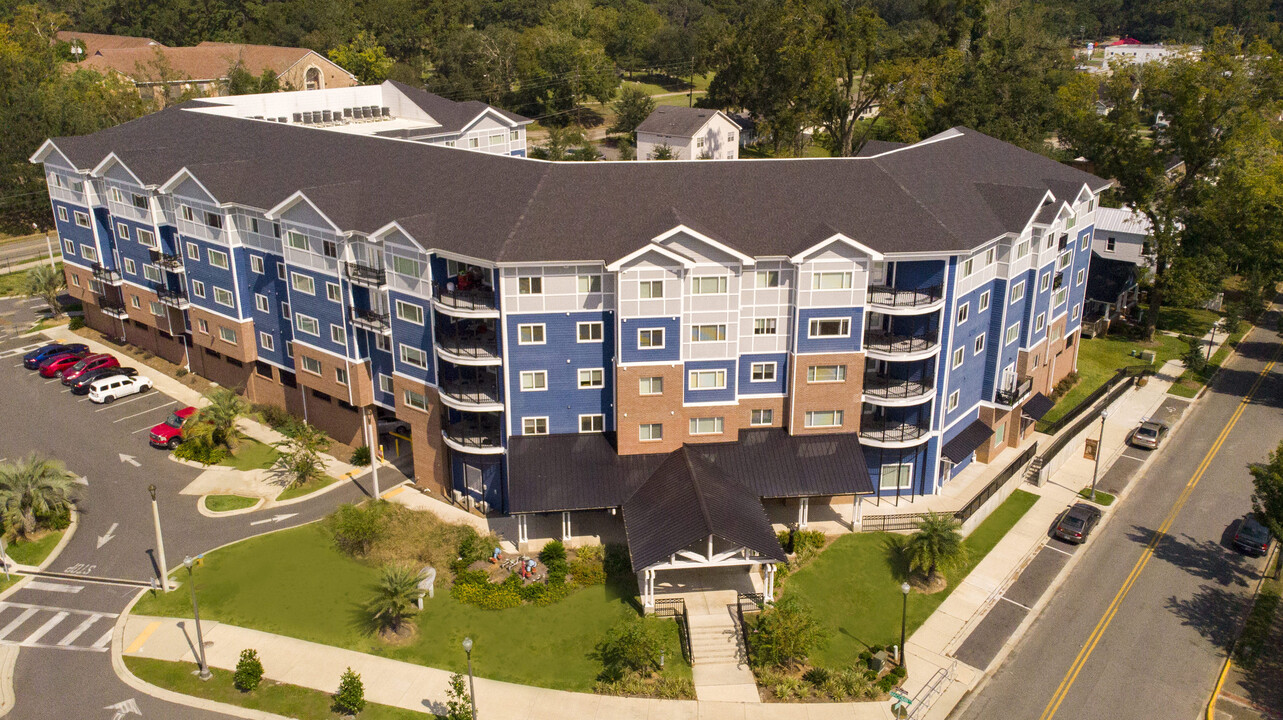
[(124, 708), (274, 519), (129, 459), (111, 533)]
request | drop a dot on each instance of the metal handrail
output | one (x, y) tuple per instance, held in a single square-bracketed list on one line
[(478, 435), (164, 293), (890, 388), (367, 273), (890, 342), (374, 317), (475, 392), (891, 430), (897, 297), (101, 272), (481, 298), (476, 345), (167, 260), (115, 305), (1012, 396)]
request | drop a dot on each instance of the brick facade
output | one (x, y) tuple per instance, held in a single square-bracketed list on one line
[(841, 395)]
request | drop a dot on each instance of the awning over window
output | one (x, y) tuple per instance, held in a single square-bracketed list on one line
[(966, 442), (1037, 406)]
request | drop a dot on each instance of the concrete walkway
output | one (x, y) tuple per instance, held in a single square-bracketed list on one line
[(719, 661)]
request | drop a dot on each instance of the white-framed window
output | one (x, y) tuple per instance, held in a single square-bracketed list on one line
[(409, 312), (418, 401), (157, 309), (289, 349), (829, 327), (1059, 297), (650, 431), (333, 292), (310, 364), (983, 303), (592, 378), (256, 264), (767, 278), (303, 283), (1044, 282), (530, 286), (385, 383), (266, 341), (337, 336), (964, 312), (1040, 322), (831, 281), (954, 397), (202, 325), (1022, 249), (968, 267), (592, 423), (588, 332), (650, 338), (260, 302), (340, 376), (651, 386), (762, 372), (979, 344), (307, 325), (534, 380), (474, 142), (650, 289), (1110, 244), (122, 230), (413, 356), (75, 280), (147, 238), (187, 213), (589, 284), (823, 418), (89, 253), (68, 247), (958, 355), (224, 297), (1082, 276), (216, 258), (707, 379), (533, 425), (893, 476), (280, 271), (227, 334), (411, 268), (1087, 236), (198, 288), (1013, 333), (990, 255), (135, 302), (707, 426), (214, 220), (382, 342), (130, 266), (297, 240), (764, 326), (711, 285), (1076, 312), (329, 248), (826, 373), (708, 333), (193, 251), (82, 219), (530, 334), (152, 273), (1018, 291), (62, 214), (285, 310), (762, 417)]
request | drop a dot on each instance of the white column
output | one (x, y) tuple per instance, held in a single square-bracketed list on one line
[(565, 527), (803, 508), (522, 534), (770, 582), (855, 511)]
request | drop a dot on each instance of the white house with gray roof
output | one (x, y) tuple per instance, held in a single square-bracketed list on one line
[(1122, 234), (691, 134)]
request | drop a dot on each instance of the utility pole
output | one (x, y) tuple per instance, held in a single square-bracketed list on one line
[(690, 92), (160, 541), (372, 432)]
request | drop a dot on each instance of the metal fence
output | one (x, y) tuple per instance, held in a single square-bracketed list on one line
[(756, 601), (1006, 475), (890, 523), (676, 608), (1124, 375)]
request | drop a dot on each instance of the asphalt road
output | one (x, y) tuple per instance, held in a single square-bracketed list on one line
[(19, 251), (1140, 627)]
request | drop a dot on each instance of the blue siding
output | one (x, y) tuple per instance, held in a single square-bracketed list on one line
[(492, 490), (806, 344), (969, 379), (777, 387), (672, 350), (994, 342), (1041, 303), (269, 321), (918, 274), (326, 311), (211, 276), (726, 394), (562, 356), (73, 232), (128, 247), (408, 333), (944, 359), (1078, 293)]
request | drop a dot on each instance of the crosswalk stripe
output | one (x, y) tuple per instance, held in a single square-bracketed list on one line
[(106, 638), (22, 617), (80, 630), (41, 631)]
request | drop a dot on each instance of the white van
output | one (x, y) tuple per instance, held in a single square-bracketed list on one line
[(113, 388)]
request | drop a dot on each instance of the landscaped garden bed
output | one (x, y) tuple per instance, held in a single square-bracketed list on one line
[(228, 503), (1100, 358)]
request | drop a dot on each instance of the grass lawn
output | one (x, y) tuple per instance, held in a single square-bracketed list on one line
[(1098, 360), (226, 503), (764, 152), (1102, 497), (6, 583), (1190, 382), (1256, 630), (853, 587), (252, 455), (15, 283), (306, 488), (35, 552), (296, 583), (279, 698), (1187, 321)]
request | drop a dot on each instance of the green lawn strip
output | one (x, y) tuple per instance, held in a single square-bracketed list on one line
[(1100, 358), (853, 587), (296, 583), (306, 488), (6, 583), (15, 283), (1190, 382), (34, 553), (1187, 321), (252, 455), (227, 503), (1102, 498), (279, 698), (1251, 643)]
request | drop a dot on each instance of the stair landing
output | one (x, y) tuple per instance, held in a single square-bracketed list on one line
[(720, 663)]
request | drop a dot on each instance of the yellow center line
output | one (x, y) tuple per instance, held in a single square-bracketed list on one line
[(137, 644), (1072, 674)]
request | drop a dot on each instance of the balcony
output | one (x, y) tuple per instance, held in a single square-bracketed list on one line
[(469, 347), (1012, 396), (895, 301), (475, 301), (888, 432), (473, 436), (372, 320), (893, 346), (474, 394), (106, 275), (366, 275), (173, 263), (172, 297), (889, 391), (113, 308)]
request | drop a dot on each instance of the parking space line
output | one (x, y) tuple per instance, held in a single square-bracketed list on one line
[(109, 406), (1049, 546), (171, 402), (54, 380), (1013, 602), (142, 429)]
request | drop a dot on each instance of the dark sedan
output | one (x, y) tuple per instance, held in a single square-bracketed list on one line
[(1252, 538), (1077, 522), (82, 383), (32, 360)]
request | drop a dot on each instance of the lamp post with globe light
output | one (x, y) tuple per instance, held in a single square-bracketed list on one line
[(472, 687), (904, 614)]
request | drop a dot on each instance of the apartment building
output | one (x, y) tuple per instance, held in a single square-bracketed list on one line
[(572, 338)]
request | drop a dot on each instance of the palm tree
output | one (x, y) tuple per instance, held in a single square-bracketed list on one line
[(936, 545), (300, 459), (33, 487), (394, 601), (219, 418), (47, 283)]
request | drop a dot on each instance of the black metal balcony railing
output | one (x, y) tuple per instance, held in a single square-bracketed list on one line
[(106, 274), (111, 305), (888, 430), (896, 297), (469, 344), (889, 388), (472, 391), (172, 297), (474, 434), (173, 263), (1014, 395), (366, 275), (370, 319), (889, 342), (474, 298)]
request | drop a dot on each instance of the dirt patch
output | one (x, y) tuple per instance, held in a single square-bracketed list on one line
[(929, 585), (192, 380), (403, 635), (511, 565)]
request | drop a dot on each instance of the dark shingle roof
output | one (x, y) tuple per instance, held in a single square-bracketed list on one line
[(676, 120), (453, 116)]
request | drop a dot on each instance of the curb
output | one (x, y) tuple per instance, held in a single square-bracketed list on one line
[(200, 507), (66, 538), (340, 482), (8, 663)]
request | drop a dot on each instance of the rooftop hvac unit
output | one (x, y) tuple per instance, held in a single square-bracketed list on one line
[(298, 117), (347, 112), (281, 119), (387, 111), (326, 116)]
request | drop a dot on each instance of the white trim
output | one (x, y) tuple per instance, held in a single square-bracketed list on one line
[(747, 260), (681, 259), (800, 258)]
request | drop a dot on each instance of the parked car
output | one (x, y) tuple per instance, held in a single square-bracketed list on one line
[(90, 363), (106, 390), (1149, 434), (1077, 522), (393, 425), (32, 360), (169, 434), (82, 383), (1252, 538), (54, 365)]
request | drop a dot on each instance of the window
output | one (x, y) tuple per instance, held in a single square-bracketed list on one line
[(650, 338), (122, 231), (764, 326), (227, 334), (385, 383), (826, 373), (650, 431), (830, 327), (592, 423), (285, 310), (89, 253), (706, 426), (496, 139), (418, 401), (831, 281), (708, 333), (651, 386), (193, 251), (340, 376), (303, 283), (307, 325), (823, 418), (75, 280), (514, 136), (224, 297), (958, 356), (979, 344), (409, 312), (280, 271), (761, 417), (896, 476), (1013, 333), (82, 219), (968, 267), (202, 326), (474, 142), (762, 372), (588, 331), (198, 288), (266, 341), (310, 364), (1077, 311), (414, 357), (1110, 244), (650, 289), (156, 308), (337, 336), (1022, 249), (329, 248), (1082, 277), (152, 273), (530, 286), (1060, 297), (589, 283), (214, 220), (707, 379), (1018, 291), (62, 214), (768, 278), (1086, 241), (382, 342), (289, 351), (990, 255), (147, 238), (530, 334), (534, 380), (1044, 283), (131, 267), (1064, 261), (592, 378), (297, 240), (216, 258), (405, 266), (534, 426), (715, 285), (953, 400), (333, 292), (984, 302), (964, 311), (1040, 322), (68, 247)]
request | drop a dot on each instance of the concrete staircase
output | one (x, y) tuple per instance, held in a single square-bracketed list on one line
[(717, 648)]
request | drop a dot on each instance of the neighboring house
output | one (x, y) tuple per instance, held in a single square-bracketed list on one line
[(596, 348), (1128, 50), (691, 134), (93, 42), (1122, 234), (1113, 290)]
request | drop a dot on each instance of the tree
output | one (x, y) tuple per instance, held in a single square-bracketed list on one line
[(33, 488), (249, 671), (1267, 495), (47, 283), (937, 545), (662, 152), (559, 72), (630, 37), (633, 106), (364, 58), (394, 602), (215, 424), (632, 646), (627, 150), (561, 143), (458, 702), (240, 81), (350, 698), (786, 633), (300, 459), (477, 65)]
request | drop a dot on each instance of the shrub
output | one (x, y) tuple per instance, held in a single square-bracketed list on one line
[(817, 676), (200, 452), (552, 552), (58, 518), (587, 572), (76, 323), (394, 601), (785, 537), (274, 416), (1232, 322), (356, 528), (249, 671), (470, 549), (350, 698), (458, 703), (635, 685), (632, 645), (1194, 358), (360, 456), (790, 688), (899, 673), (886, 683), (180, 372), (617, 563), (487, 596), (847, 684), (785, 634), (300, 459)]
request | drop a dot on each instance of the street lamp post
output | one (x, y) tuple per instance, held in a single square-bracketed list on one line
[(472, 686), (160, 540), (904, 614), (1212, 342), (1100, 441), (205, 674)]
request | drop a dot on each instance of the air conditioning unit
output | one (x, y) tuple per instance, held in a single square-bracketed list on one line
[(458, 496), (483, 506), (471, 502)]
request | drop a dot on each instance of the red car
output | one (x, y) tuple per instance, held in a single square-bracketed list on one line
[(169, 434), (88, 364), (55, 365)]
